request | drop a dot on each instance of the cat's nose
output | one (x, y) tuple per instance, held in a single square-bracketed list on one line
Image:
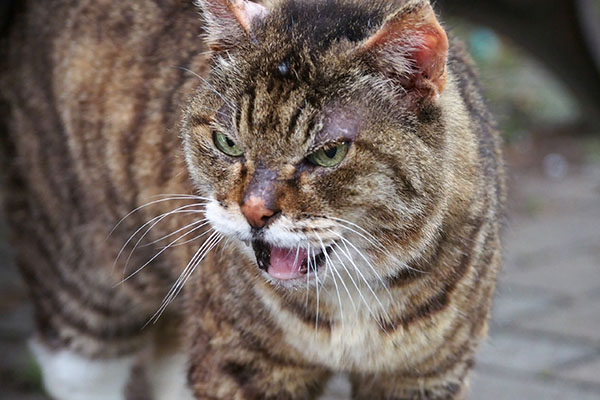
[(256, 211)]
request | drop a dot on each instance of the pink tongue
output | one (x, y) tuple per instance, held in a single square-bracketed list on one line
[(285, 264)]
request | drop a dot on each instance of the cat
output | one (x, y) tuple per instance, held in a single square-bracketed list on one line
[(290, 190)]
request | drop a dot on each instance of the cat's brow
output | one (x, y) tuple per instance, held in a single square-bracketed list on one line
[(339, 123)]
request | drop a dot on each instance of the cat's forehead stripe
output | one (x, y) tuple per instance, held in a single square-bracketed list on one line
[(268, 107)]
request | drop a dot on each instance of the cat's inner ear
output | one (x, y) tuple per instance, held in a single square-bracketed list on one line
[(412, 47), (230, 21)]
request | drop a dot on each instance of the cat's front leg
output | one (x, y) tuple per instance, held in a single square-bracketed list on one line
[(398, 387)]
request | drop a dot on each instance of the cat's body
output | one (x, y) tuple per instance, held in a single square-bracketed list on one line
[(410, 216)]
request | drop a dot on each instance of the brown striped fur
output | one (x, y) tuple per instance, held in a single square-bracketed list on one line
[(103, 113)]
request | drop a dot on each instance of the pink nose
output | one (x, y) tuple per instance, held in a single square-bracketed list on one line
[(256, 212)]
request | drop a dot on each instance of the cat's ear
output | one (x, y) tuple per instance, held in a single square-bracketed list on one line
[(230, 21), (411, 47)]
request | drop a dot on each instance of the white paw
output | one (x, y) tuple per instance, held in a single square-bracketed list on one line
[(70, 376), (169, 378)]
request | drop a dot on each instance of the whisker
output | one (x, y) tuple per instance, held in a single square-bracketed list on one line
[(334, 271), (330, 265), (345, 221), (158, 254), (176, 232), (377, 274), (307, 277), (377, 242), (214, 242), (196, 259), (345, 287), (357, 269), (297, 253), (200, 253), (224, 246), (211, 87), (182, 196), (366, 303), (316, 269), (170, 198), (155, 221), (146, 224)]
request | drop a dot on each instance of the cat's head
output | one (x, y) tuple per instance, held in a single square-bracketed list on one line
[(319, 133)]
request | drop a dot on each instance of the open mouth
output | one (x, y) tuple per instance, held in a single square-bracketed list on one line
[(285, 263)]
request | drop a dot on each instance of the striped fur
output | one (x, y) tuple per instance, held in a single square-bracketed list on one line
[(110, 104)]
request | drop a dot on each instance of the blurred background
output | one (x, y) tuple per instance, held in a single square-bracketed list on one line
[(539, 64)]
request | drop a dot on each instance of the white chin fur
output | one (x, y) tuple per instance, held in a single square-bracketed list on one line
[(70, 376)]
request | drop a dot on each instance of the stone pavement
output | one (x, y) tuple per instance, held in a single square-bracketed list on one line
[(545, 332)]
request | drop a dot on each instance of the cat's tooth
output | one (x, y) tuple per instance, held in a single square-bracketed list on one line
[(304, 268)]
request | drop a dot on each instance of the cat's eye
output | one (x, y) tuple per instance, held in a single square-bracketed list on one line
[(329, 156), (227, 145)]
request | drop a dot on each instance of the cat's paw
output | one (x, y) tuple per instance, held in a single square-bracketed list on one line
[(169, 378), (71, 376)]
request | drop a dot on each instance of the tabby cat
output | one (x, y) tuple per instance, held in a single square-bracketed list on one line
[(316, 188)]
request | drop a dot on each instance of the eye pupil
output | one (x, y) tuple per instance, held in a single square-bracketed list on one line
[(331, 152), (230, 143)]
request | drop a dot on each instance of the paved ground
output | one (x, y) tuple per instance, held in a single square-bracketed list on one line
[(545, 336)]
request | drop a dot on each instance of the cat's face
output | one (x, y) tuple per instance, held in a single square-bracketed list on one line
[(313, 161)]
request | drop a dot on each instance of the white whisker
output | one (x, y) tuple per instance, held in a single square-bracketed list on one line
[(170, 198), (366, 303), (334, 271), (158, 254), (183, 196), (307, 277), (316, 269), (196, 259), (176, 232), (357, 269), (200, 253), (211, 87), (224, 246), (377, 244), (374, 240), (329, 264), (343, 283), (377, 274), (192, 239), (154, 221)]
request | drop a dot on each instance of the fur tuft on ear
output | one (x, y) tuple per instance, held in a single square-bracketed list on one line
[(411, 47), (230, 21)]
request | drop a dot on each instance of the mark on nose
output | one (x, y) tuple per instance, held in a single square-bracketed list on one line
[(256, 212)]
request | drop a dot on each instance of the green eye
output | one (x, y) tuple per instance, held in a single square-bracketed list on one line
[(226, 145), (329, 156)]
